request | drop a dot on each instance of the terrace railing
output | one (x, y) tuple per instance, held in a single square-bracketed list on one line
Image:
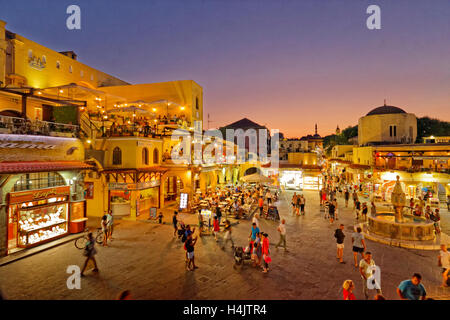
[(13, 125)]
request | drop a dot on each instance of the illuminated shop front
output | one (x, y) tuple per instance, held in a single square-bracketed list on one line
[(140, 197), (133, 192), (42, 207), (300, 180), (291, 179), (36, 217)]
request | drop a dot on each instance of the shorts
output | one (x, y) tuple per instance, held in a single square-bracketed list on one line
[(190, 255), (340, 245), (302, 207), (358, 249)]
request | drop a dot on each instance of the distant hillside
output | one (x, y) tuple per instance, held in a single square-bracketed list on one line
[(426, 126)]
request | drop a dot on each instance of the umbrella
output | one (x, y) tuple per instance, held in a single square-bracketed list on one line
[(132, 109), (257, 178)]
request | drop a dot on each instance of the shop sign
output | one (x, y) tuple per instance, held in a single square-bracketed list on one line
[(29, 196), (134, 186)]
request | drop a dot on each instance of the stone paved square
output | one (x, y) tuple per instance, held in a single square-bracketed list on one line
[(146, 259)]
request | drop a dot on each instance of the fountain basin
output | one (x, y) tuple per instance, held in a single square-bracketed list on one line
[(412, 228)]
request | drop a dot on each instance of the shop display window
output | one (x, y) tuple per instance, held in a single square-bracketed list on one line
[(39, 224)]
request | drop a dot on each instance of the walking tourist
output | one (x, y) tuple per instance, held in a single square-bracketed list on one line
[(255, 219), (89, 252), (258, 245), (357, 208), (359, 245), (282, 230), (355, 198), (189, 245), (260, 205), (347, 196), (265, 251), (331, 210), (444, 262), (373, 209), (175, 223), (294, 202), (110, 224), (104, 225), (364, 211), (302, 204), (254, 231), (347, 290), (216, 228), (227, 236), (366, 269), (339, 235), (436, 218), (269, 197), (412, 289)]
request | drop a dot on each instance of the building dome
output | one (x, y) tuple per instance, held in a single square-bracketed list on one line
[(386, 110)]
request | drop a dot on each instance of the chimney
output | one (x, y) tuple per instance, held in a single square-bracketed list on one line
[(70, 54), (3, 45)]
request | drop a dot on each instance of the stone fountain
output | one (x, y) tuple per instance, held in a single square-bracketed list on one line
[(399, 225)]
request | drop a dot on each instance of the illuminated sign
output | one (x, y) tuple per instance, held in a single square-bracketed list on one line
[(183, 201), (28, 196)]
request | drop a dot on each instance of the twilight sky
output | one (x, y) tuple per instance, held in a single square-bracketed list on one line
[(287, 64)]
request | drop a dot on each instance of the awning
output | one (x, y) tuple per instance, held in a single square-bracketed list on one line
[(41, 166)]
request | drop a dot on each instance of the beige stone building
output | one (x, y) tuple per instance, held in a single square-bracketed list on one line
[(387, 125)]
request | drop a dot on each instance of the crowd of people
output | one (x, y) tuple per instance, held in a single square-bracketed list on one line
[(258, 247), (232, 199)]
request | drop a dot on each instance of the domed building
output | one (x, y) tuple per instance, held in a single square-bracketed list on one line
[(387, 125)]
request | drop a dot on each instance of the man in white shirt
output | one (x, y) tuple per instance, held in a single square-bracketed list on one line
[(282, 230), (256, 220), (366, 269), (444, 259)]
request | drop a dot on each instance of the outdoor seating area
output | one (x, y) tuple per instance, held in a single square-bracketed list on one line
[(129, 123), (236, 201), (15, 125)]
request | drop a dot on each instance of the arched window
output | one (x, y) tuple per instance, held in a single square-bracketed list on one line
[(117, 156), (155, 156), (145, 156)]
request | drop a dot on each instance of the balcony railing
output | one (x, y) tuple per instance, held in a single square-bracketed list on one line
[(13, 125)]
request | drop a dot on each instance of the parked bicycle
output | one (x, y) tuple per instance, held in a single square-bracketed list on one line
[(80, 243)]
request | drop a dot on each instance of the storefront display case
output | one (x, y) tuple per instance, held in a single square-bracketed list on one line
[(42, 223)]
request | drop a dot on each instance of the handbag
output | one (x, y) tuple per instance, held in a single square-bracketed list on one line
[(267, 258)]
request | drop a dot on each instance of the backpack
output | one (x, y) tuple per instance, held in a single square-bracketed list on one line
[(184, 238)]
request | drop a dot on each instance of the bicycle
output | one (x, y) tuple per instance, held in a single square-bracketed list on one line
[(80, 243)]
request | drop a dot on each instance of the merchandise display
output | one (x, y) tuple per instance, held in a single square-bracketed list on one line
[(40, 224)]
